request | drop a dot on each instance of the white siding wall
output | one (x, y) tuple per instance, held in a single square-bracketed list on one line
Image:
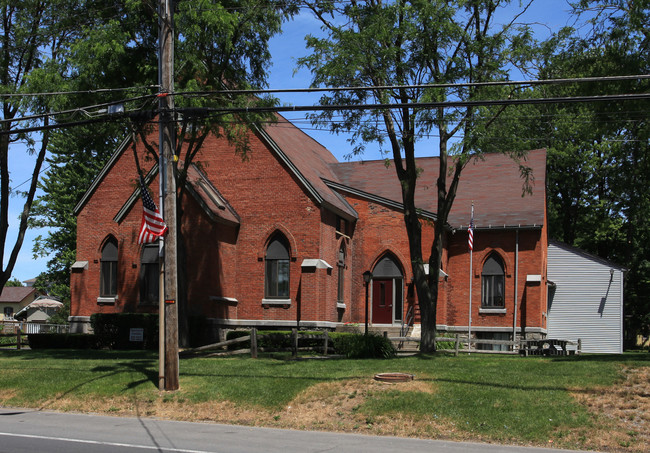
[(588, 300)]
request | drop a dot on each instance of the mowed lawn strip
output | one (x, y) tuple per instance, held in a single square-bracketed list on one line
[(488, 397)]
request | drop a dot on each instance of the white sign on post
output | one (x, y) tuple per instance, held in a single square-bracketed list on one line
[(136, 334)]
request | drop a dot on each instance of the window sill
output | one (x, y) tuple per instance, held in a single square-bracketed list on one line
[(107, 300), (228, 300), (340, 305), (276, 301), (492, 311)]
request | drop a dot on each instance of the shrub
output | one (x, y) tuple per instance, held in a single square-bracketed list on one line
[(61, 341), (359, 346), (274, 339), (113, 330), (451, 344)]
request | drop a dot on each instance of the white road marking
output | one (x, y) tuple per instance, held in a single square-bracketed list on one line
[(111, 444)]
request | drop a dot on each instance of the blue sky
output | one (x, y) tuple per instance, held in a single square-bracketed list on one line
[(549, 15)]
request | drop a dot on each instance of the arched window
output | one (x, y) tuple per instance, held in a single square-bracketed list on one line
[(149, 275), (108, 270), (276, 281), (340, 294), (493, 282)]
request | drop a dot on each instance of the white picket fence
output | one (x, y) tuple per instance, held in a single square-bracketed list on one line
[(33, 327)]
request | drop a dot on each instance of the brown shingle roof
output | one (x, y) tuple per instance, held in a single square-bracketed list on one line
[(15, 294), (311, 161), (212, 201), (493, 184)]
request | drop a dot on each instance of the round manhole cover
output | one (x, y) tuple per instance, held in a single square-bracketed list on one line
[(394, 377)]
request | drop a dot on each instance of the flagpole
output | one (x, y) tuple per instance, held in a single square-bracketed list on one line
[(471, 250)]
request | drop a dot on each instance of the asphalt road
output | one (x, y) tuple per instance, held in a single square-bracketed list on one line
[(27, 430)]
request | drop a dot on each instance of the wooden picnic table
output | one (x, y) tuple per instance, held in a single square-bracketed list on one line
[(545, 346)]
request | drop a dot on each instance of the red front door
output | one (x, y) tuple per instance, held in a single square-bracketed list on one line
[(382, 301)]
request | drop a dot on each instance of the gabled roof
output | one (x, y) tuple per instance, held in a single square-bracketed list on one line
[(15, 294), (493, 184), (586, 255), (210, 199), (198, 186), (309, 160), (104, 171)]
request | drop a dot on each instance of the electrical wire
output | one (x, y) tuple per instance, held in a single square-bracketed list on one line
[(198, 111), (77, 110), (420, 86), (66, 93)]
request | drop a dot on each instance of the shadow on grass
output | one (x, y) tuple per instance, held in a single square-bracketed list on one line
[(108, 371), (79, 354), (636, 356), (493, 385), (627, 357)]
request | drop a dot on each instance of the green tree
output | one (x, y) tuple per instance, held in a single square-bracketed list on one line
[(114, 48), (221, 45), (598, 155), (406, 44), (13, 282), (34, 35)]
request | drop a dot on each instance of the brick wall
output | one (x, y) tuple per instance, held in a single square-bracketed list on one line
[(225, 263), (222, 261)]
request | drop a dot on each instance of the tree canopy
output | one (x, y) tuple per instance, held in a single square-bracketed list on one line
[(598, 156), (220, 45), (35, 38), (404, 45)]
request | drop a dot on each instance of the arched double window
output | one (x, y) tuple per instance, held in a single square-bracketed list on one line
[(108, 269), (276, 278), (493, 283)]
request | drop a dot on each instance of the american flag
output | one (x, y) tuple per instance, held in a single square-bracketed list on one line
[(470, 233), (153, 226)]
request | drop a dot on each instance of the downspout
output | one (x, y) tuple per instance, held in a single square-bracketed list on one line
[(514, 320)]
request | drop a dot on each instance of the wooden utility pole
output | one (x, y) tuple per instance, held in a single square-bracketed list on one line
[(167, 144)]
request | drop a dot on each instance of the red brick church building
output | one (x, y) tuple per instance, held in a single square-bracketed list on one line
[(285, 236)]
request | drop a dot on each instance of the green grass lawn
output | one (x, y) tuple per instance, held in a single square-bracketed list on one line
[(500, 398)]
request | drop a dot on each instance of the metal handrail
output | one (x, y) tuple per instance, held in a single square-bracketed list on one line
[(410, 318)]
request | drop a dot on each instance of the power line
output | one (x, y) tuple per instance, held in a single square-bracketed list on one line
[(202, 111), (421, 86), (349, 88), (82, 110), (208, 111), (308, 90), (66, 93)]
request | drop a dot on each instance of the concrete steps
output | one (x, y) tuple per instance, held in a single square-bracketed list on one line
[(391, 332), (394, 331)]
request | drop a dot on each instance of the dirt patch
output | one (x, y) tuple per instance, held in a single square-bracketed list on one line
[(623, 413), (331, 406), (334, 406), (7, 395)]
